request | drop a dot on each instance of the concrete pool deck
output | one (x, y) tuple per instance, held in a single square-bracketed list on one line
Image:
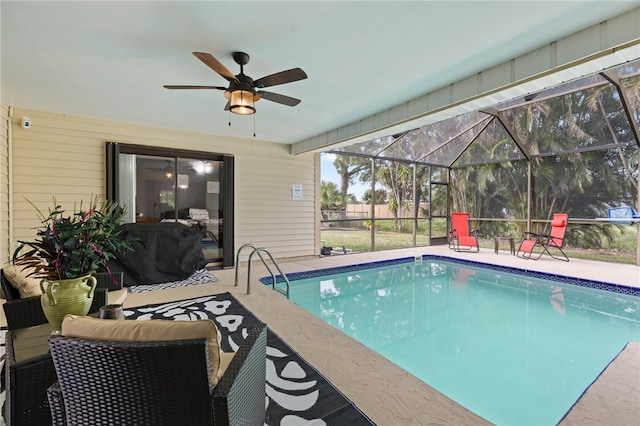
[(382, 390)]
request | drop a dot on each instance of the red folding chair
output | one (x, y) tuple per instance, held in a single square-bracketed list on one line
[(535, 245), (460, 237)]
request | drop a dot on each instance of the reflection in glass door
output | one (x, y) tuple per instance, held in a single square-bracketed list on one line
[(199, 198)]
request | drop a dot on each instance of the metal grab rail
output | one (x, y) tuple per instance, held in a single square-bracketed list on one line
[(238, 259), (259, 251)]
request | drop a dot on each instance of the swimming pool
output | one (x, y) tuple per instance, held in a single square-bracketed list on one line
[(514, 347)]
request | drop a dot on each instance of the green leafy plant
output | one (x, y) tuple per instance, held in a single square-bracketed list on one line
[(76, 245)]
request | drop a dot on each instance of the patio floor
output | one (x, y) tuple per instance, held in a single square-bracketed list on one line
[(388, 394)]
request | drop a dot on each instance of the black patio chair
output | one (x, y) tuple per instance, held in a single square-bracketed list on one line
[(156, 383)]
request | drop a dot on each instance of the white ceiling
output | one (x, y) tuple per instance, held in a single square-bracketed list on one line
[(109, 60)]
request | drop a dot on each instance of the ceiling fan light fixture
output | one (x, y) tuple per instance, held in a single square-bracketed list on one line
[(241, 102), (243, 91)]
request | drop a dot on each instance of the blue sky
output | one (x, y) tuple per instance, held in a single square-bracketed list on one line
[(328, 173)]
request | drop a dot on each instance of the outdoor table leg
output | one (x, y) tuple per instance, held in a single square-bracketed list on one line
[(512, 244)]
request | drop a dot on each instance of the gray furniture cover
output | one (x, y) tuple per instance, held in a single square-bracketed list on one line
[(167, 251)]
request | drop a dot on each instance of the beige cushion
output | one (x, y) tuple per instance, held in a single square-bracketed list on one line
[(117, 297), (148, 331), (225, 360), (17, 277)]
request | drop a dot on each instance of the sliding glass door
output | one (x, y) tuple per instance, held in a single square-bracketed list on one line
[(161, 185)]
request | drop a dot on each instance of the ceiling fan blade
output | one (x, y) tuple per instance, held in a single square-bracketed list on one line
[(281, 99), (168, 86), (215, 65), (226, 107), (282, 77)]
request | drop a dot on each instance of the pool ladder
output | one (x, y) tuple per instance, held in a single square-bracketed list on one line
[(259, 251)]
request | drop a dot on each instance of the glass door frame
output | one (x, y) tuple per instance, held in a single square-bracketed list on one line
[(114, 149)]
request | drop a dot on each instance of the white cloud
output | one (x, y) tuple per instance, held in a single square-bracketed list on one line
[(326, 156)]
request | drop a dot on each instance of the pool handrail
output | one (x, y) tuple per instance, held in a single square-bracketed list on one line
[(260, 250), (238, 259)]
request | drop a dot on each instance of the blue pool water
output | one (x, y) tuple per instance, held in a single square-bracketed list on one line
[(515, 349)]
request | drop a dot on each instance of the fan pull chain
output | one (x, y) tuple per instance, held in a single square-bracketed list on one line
[(254, 123)]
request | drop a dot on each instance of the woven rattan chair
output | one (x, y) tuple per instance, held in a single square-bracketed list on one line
[(155, 383), (27, 312)]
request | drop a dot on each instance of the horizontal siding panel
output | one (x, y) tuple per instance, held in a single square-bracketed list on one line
[(279, 246), (282, 208), (293, 231), (53, 169), (5, 223), (130, 133), (276, 193), (291, 216), (283, 179), (269, 242), (39, 136), (47, 153), (58, 189), (23, 205)]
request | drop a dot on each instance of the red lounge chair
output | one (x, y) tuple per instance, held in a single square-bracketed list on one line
[(460, 236), (553, 240)]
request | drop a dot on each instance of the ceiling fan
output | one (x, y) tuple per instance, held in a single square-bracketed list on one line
[(243, 91)]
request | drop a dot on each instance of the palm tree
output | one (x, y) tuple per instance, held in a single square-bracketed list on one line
[(398, 178), (330, 197)]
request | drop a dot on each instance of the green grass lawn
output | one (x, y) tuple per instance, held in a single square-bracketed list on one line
[(622, 250)]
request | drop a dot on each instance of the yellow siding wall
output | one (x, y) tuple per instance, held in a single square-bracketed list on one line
[(4, 185), (64, 157)]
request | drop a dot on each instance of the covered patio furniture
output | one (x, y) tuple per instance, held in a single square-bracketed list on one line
[(620, 213), (105, 382), (460, 237), (168, 251), (535, 245)]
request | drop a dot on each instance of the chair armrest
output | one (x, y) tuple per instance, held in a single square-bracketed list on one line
[(100, 299), (8, 291), (110, 281), (239, 396), (21, 313), (56, 405), (546, 238)]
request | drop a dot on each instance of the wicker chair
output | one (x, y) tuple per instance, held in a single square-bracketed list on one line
[(27, 312), (155, 383)]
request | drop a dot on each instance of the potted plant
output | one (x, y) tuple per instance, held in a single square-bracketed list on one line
[(68, 250)]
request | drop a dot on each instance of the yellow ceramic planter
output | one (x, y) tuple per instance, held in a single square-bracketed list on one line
[(72, 296)]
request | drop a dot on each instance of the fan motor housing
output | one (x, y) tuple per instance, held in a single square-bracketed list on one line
[(241, 58)]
